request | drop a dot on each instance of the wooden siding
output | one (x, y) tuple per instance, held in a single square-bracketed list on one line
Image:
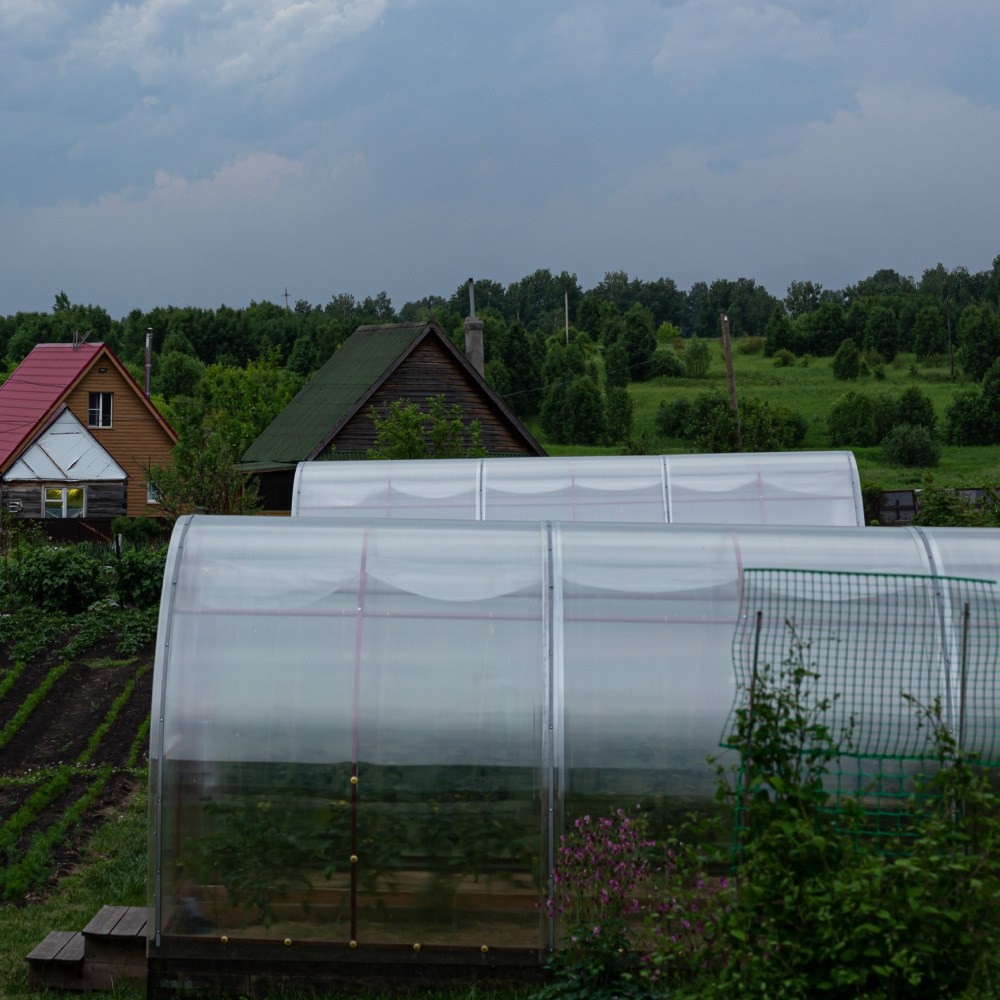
[(28, 495), (429, 371), (135, 439), (104, 500)]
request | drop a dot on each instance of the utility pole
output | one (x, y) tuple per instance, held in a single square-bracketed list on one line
[(727, 351), (286, 298)]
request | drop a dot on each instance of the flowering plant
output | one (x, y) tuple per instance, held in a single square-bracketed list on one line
[(598, 887)]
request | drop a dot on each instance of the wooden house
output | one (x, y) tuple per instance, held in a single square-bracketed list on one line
[(330, 418), (77, 434)]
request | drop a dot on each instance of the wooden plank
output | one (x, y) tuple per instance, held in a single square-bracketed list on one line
[(58, 977), (132, 923), (105, 921), (106, 976), (59, 946)]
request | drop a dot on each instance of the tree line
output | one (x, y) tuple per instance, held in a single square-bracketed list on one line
[(221, 375)]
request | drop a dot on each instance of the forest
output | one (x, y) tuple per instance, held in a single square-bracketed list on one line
[(590, 367)]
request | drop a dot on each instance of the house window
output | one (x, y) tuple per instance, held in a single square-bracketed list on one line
[(152, 493), (99, 409), (65, 501)]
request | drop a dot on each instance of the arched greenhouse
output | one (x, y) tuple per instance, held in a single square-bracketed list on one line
[(804, 487), (368, 735)]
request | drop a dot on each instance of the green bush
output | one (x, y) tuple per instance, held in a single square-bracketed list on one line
[(64, 578), (711, 425), (853, 421), (138, 576), (665, 364), (822, 912), (697, 358), (748, 345), (141, 530), (968, 419), (911, 445), (784, 358), (672, 417), (914, 407), (847, 361)]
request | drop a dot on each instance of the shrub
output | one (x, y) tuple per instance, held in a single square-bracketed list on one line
[(967, 418), (697, 358), (53, 578), (672, 417), (852, 421), (138, 576), (784, 358), (141, 530), (847, 361), (711, 425), (822, 912), (911, 445), (665, 364), (915, 407), (748, 345)]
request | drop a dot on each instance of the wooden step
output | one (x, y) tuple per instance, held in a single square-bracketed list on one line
[(57, 961), (112, 947)]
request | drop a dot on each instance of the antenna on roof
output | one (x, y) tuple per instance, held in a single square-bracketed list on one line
[(80, 338)]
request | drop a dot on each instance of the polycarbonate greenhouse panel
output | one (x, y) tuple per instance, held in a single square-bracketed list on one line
[(376, 731), (807, 487)]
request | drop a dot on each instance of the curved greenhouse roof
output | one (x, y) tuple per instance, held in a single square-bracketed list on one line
[(372, 733), (806, 487)]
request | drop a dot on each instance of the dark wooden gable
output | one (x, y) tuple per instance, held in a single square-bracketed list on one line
[(430, 369)]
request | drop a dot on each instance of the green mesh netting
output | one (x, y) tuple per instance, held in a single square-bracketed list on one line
[(874, 652)]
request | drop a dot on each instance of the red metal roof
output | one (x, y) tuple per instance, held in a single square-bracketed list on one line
[(38, 383)]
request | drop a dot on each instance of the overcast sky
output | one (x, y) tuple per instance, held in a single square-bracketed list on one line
[(200, 152)]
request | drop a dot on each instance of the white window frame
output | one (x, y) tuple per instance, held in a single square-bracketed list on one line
[(99, 415), (64, 491)]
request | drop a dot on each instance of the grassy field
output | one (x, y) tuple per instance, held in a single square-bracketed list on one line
[(809, 388)]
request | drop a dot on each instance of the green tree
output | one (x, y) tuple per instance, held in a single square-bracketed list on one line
[(881, 333), (177, 374), (616, 366), (824, 328), (978, 340), (930, 334), (803, 297), (639, 339), (405, 430), (779, 334), (618, 406), (847, 361), (228, 410), (203, 475)]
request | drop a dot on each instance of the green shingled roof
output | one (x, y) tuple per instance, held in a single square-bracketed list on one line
[(334, 393)]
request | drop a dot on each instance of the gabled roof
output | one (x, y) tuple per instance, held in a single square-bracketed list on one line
[(343, 386), (40, 384), (65, 451)]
